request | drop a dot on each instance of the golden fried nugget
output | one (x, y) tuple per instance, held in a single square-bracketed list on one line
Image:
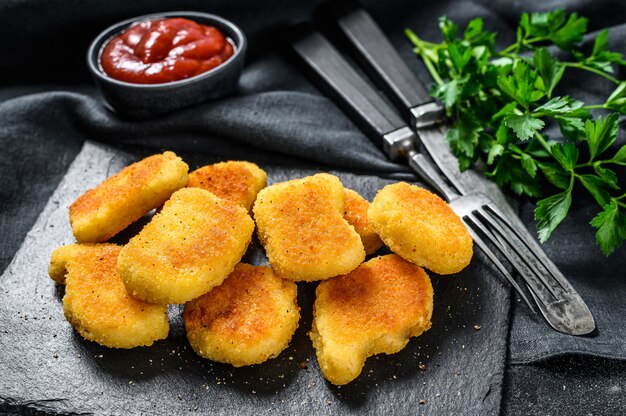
[(421, 227), (122, 199), (301, 225), (247, 320), (236, 181), (374, 309), (97, 303), (356, 215), (187, 248)]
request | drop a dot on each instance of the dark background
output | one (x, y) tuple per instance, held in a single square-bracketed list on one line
[(43, 44)]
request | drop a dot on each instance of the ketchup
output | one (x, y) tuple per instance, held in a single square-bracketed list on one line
[(164, 50)]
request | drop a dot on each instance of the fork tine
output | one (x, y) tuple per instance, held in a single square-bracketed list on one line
[(500, 241), (566, 312), (494, 259), (523, 252), (539, 254)]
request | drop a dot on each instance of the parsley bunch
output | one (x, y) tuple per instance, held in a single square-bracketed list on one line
[(501, 100)]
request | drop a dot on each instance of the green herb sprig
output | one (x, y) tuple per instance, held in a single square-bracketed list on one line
[(500, 101)]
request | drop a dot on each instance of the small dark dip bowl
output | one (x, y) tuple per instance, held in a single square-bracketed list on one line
[(149, 100)]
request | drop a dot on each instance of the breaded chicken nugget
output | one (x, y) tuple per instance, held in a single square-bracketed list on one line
[(301, 225), (356, 215), (236, 181), (186, 249), (247, 320), (97, 303), (421, 227), (374, 309), (122, 199)]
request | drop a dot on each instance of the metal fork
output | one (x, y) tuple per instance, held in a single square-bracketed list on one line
[(560, 307), (557, 300), (468, 208)]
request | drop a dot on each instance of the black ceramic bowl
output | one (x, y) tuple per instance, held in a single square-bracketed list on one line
[(149, 100)]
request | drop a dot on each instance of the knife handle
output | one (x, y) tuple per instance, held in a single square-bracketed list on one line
[(377, 56), (365, 106), (339, 80)]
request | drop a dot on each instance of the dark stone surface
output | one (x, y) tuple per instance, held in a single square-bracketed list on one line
[(278, 118), (48, 367), (570, 384)]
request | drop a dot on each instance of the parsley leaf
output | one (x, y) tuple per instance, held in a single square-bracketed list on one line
[(570, 33), (572, 126), (550, 212), (601, 134), (611, 228), (607, 175), (448, 29), (617, 100), (525, 125), (600, 57), (509, 108), (560, 106), (459, 55), (495, 151), (463, 139), (521, 85), (550, 69), (509, 171), (449, 92), (601, 42), (554, 26), (528, 163), (476, 35), (596, 187), (566, 154), (620, 156), (555, 174)]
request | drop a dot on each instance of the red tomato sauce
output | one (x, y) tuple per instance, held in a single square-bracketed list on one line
[(164, 50)]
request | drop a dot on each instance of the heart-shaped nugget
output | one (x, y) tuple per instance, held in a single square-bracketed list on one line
[(247, 320), (374, 309), (187, 249), (96, 302), (301, 225), (421, 228)]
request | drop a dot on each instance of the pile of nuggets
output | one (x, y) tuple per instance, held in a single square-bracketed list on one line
[(312, 229)]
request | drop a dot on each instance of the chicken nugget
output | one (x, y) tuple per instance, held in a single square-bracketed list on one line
[(356, 215), (236, 181), (186, 249), (301, 225), (247, 320), (421, 228), (122, 199), (373, 309), (97, 303)]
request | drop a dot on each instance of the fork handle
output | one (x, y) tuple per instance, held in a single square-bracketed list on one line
[(383, 64), (339, 80)]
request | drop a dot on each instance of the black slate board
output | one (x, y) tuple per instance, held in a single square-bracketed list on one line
[(47, 367)]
